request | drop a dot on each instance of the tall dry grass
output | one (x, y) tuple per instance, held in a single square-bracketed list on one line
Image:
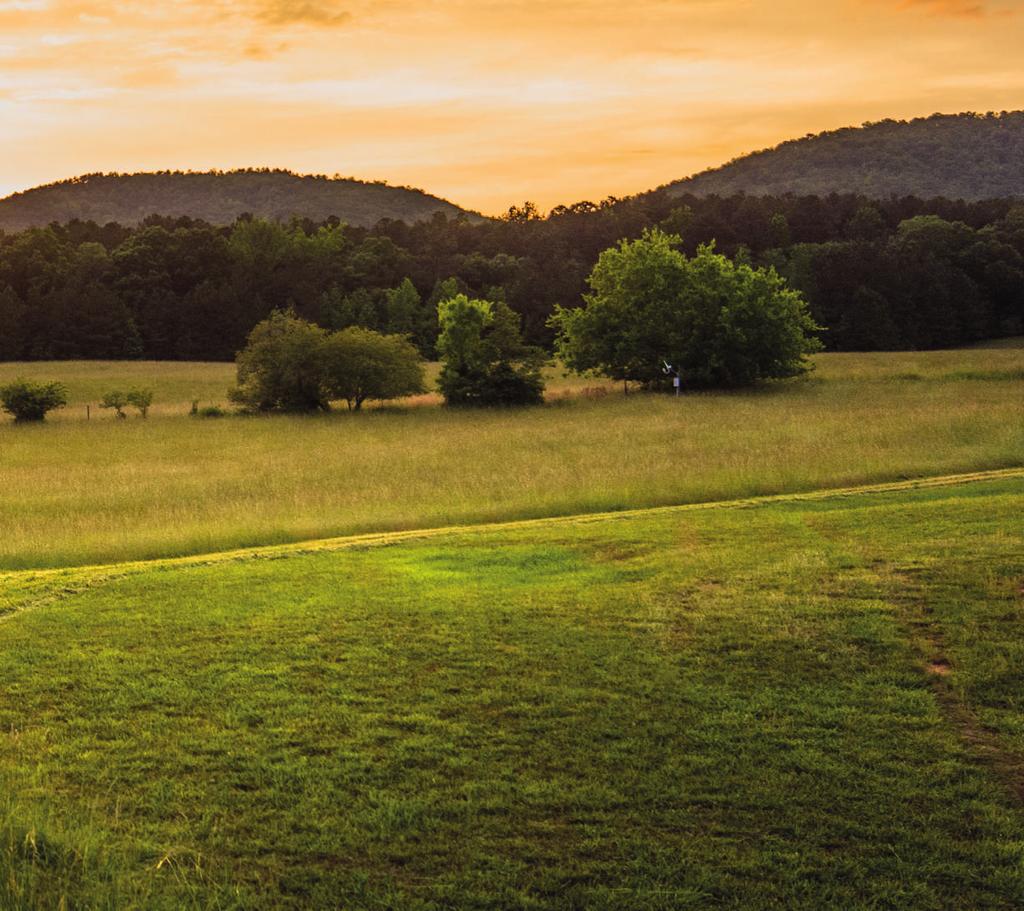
[(76, 492)]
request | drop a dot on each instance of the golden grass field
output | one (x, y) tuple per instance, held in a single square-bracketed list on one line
[(74, 491), (178, 384)]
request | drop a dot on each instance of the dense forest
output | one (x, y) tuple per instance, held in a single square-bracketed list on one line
[(902, 273), (217, 197), (960, 156)]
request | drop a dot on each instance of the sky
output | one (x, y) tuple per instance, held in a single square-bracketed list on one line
[(485, 103)]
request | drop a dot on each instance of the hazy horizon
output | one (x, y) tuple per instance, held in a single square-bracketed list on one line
[(483, 104)]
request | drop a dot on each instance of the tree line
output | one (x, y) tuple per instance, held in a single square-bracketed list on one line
[(651, 312), (877, 274)]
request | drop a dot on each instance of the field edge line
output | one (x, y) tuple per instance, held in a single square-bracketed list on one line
[(103, 572)]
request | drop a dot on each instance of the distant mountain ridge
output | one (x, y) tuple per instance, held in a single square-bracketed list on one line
[(959, 156), (219, 197)]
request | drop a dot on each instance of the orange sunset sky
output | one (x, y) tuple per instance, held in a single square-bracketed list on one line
[(485, 103)]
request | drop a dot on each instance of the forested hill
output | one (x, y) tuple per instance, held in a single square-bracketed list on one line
[(957, 156), (217, 198)]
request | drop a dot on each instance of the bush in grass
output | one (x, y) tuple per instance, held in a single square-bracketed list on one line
[(484, 359), (290, 364), (717, 322), (141, 399), (281, 367), (117, 400), (28, 401), (360, 365)]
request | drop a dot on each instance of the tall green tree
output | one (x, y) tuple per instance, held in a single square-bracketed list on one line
[(485, 361), (359, 308), (290, 364), (715, 322), (403, 307), (361, 365)]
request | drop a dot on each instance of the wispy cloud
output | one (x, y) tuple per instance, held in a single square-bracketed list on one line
[(303, 12), (23, 6), (484, 101), (962, 9)]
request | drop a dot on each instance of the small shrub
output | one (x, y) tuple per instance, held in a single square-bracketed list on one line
[(209, 411), (28, 401), (141, 399), (497, 384), (118, 401)]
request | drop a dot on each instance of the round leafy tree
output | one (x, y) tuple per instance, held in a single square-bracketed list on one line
[(281, 366), (716, 322), (290, 364), (362, 365)]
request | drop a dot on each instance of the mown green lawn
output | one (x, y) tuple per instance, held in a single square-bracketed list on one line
[(798, 705)]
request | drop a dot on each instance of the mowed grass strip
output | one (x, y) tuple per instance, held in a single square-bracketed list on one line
[(718, 708), (27, 589), (78, 492)]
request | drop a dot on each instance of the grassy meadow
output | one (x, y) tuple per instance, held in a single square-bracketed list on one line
[(808, 700), (76, 492), (803, 705), (177, 384)]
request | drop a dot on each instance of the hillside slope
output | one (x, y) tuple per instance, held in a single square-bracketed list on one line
[(218, 198), (959, 156)]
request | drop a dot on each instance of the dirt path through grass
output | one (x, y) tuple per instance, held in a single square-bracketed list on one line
[(24, 589), (984, 744)]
